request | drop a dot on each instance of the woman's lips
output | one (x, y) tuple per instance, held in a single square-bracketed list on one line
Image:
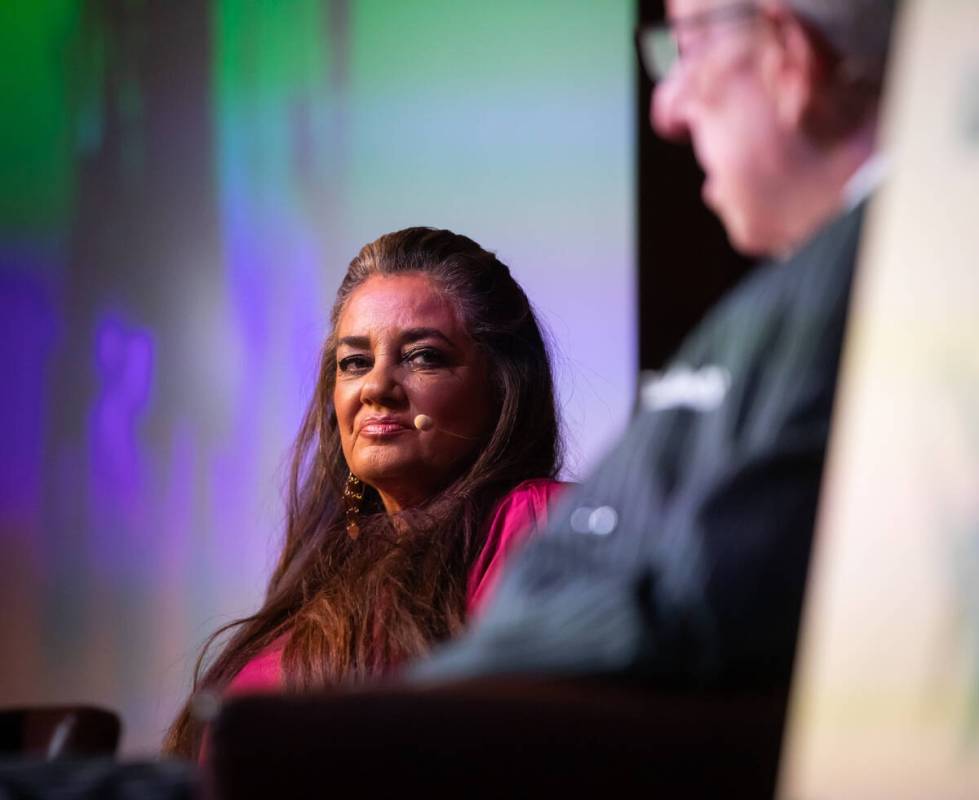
[(380, 428)]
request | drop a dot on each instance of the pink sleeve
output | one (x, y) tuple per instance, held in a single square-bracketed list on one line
[(516, 517), (263, 674)]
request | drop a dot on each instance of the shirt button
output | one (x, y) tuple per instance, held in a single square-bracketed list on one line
[(600, 521)]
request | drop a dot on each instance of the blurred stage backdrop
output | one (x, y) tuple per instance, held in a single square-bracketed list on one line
[(181, 187)]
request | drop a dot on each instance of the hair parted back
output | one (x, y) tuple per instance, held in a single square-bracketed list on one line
[(353, 609), (856, 36), (858, 30)]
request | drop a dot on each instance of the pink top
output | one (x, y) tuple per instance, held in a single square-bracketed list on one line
[(516, 517), (520, 514)]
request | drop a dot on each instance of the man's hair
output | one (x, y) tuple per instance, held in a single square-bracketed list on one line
[(854, 38), (858, 31)]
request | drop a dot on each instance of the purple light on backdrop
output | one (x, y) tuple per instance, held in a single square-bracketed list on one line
[(124, 368), (28, 331)]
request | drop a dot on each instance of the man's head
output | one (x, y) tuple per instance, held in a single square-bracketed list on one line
[(779, 99)]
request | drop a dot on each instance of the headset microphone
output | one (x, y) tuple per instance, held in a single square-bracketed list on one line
[(423, 422)]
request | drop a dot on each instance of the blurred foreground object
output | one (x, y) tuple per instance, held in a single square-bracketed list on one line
[(886, 703), (498, 738), (58, 732), (66, 752), (98, 779)]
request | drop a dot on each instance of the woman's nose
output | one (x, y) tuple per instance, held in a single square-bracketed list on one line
[(382, 385)]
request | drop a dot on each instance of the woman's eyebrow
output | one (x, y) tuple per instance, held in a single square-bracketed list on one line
[(414, 334), (357, 342)]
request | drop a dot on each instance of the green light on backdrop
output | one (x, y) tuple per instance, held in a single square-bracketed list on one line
[(36, 134), (504, 43), (268, 48)]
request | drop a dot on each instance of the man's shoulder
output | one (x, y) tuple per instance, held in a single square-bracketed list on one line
[(816, 278), (827, 256), (770, 346)]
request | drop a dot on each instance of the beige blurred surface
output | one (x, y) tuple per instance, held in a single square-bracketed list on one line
[(886, 701)]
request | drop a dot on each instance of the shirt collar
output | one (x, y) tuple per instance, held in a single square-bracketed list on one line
[(862, 183)]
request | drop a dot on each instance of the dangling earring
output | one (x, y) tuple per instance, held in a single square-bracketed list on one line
[(353, 495)]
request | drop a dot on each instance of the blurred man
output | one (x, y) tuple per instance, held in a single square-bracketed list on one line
[(683, 559)]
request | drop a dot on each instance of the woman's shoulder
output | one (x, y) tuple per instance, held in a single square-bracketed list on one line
[(524, 507), (518, 515), (537, 492), (262, 674)]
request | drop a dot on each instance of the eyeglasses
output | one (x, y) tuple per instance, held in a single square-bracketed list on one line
[(659, 46)]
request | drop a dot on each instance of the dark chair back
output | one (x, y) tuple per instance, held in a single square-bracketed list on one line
[(498, 738), (59, 732)]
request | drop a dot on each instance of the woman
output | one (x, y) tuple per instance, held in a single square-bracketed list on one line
[(428, 451)]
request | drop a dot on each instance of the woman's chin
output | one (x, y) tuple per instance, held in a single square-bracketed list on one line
[(397, 484)]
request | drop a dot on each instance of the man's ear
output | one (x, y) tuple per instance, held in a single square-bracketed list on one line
[(792, 68)]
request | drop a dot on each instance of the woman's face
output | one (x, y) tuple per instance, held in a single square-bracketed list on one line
[(402, 350)]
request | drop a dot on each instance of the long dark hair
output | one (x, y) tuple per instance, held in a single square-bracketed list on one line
[(353, 609)]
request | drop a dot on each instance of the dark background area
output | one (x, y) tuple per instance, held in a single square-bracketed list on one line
[(685, 261)]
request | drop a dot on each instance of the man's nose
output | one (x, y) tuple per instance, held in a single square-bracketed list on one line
[(382, 385), (666, 107)]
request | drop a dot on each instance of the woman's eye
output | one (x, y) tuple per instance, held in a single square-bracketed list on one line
[(424, 357), (353, 364)]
